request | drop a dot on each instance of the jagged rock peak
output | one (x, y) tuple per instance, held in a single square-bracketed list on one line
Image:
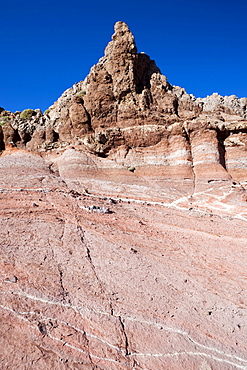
[(123, 41), (128, 70), (121, 27), (124, 92)]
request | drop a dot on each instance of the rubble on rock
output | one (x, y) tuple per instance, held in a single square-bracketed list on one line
[(123, 224)]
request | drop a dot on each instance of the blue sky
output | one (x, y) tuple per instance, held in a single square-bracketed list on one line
[(47, 46)]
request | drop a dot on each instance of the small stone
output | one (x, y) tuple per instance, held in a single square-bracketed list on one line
[(11, 279), (133, 250)]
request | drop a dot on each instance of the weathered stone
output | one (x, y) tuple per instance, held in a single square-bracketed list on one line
[(123, 221), (50, 135), (65, 263), (10, 135), (80, 119), (2, 146), (37, 140), (228, 104)]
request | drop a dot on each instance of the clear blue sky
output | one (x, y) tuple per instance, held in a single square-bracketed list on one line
[(47, 46)]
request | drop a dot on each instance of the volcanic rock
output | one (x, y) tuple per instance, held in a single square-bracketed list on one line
[(123, 225)]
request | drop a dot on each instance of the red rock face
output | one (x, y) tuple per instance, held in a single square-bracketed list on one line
[(126, 89), (123, 225), (103, 268)]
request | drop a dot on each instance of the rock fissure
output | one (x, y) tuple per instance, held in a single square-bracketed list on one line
[(44, 332), (88, 256), (125, 336), (42, 329), (187, 135), (64, 293)]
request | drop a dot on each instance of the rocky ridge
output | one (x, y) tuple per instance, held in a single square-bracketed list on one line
[(123, 225), (126, 104), (124, 89)]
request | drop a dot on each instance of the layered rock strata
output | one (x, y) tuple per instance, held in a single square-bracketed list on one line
[(148, 279), (123, 225), (125, 105)]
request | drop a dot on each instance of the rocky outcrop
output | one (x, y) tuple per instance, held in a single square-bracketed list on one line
[(126, 110), (123, 218), (19, 128), (125, 101), (126, 89), (227, 104)]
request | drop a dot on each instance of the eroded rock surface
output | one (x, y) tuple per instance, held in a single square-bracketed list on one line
[(154, 280), (123, 225), (125, 107)]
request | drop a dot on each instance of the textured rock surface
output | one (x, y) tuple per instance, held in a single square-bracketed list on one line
[(129, 273), (228, 104), (125, 101), (123, 225)]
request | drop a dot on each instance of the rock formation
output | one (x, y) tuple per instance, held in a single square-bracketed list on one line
[(123, 224)]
